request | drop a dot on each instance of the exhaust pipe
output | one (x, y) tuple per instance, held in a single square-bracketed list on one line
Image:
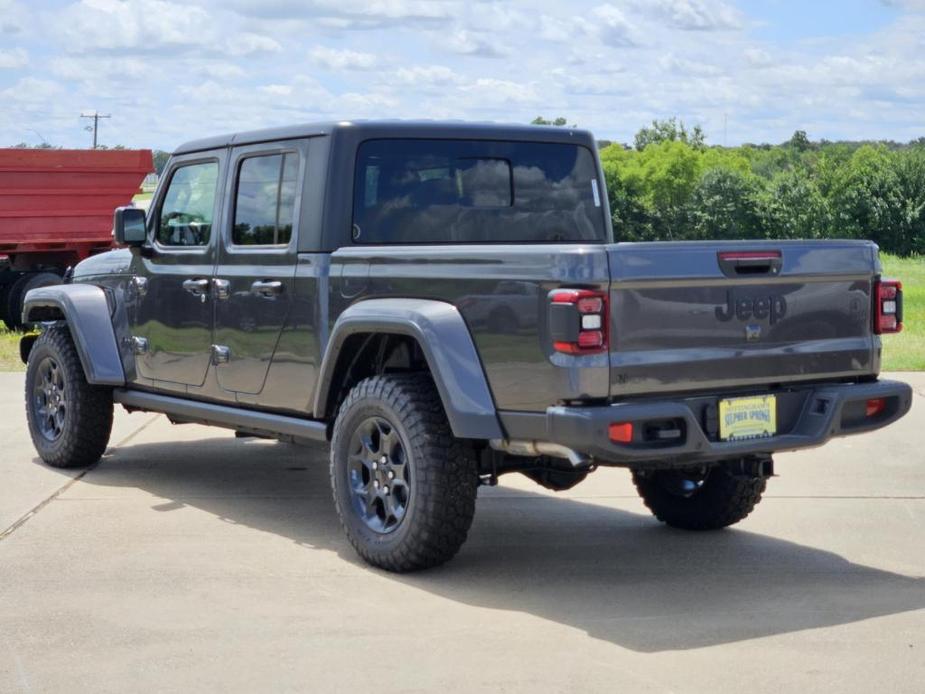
[(533, 449)]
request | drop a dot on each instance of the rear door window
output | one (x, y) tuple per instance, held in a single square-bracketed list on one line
[(265, 200), (465, 191)]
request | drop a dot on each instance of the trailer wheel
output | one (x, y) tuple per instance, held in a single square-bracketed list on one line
[(17, 293), (4, 294)]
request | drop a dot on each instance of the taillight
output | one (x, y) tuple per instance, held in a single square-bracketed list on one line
[(578, 321), (888, 306)]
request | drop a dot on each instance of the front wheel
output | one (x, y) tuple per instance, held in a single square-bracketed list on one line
[(703, 498), (69, 419), (404, 488)]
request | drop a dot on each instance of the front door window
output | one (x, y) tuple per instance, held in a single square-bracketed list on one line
[(185, 217)]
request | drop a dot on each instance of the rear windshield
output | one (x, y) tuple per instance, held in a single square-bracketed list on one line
[(465, 191)]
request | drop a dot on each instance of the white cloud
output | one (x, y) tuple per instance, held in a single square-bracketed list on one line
[(132, 25), (605, 24), (336, 59), (693, 15), (475, 44), (172, 70), (220, 70), (13, 58), (612, 25), (682, 66), (14, 17), (495, 91), (277, 89), (31, 91), (350, 14), (248, 43), (757, 57), (99, 69), (428, 75)]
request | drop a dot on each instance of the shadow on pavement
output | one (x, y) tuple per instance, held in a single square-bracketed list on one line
[(616, 575)]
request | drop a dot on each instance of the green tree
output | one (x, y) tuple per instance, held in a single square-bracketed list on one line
[(631, 218), (41, 145), (724, 206), (669, 130), (560, 122), (793, 207), (800, 141), (160, 160)]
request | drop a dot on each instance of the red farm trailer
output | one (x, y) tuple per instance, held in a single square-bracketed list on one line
[(55, 210)]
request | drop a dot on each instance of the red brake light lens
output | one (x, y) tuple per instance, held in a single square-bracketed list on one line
[(585, 330), (590, 304), (888, 307), (589, 339)]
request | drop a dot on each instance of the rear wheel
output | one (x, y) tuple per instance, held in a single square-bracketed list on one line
[(404, 488), (69, 419), (702, 498)]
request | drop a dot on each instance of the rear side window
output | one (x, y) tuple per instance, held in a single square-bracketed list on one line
[(265, 201), (465, 191), (185, 216)]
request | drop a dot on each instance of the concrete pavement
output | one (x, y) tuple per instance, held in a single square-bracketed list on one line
[(189, 560)]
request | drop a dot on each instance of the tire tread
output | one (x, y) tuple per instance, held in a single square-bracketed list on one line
[(87, 433), (446, 476), (725, 499)]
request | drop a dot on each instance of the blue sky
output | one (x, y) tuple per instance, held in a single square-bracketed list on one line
[(172, 70)]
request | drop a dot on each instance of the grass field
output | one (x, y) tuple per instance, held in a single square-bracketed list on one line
[(906, 351), (903, 352)]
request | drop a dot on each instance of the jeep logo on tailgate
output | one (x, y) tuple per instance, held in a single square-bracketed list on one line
[(745, 308)]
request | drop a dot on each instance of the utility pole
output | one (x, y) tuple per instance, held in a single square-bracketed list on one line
[(96, 115)]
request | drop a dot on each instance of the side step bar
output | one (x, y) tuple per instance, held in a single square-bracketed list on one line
[(196, 412)]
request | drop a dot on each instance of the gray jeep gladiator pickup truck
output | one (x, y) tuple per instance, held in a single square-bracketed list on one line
[(445, 303)]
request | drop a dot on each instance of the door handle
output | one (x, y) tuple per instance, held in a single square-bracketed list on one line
[(140, 284), (196, 287), (267, 288), (221, 288)]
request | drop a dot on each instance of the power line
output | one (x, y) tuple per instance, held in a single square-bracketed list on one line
[(96, 115)]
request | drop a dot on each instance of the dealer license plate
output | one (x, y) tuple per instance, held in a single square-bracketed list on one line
[(747, 418)]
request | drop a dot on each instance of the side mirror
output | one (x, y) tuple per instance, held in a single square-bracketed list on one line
[(128, 226)]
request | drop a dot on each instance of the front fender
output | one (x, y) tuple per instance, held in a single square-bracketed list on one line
[(86, 311), (447, 345)]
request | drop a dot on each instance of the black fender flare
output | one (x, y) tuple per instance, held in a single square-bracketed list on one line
[(451, 355), (85, 309)]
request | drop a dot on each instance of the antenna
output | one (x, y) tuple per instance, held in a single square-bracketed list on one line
[(96, 115)]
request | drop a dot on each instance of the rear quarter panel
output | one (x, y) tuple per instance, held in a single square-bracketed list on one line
[(502, 293)]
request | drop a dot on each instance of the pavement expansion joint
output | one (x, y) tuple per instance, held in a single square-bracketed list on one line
[(31, 513)]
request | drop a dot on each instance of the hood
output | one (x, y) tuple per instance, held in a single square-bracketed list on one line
[(115, 262)]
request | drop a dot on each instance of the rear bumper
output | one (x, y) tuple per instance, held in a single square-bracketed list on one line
[(809, 417)]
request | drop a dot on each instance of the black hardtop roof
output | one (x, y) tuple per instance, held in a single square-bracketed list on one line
[(364, 130)]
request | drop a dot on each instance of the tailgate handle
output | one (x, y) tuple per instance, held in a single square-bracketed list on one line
[(738, 263)]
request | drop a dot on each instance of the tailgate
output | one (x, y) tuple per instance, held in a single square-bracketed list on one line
[(708, 315)]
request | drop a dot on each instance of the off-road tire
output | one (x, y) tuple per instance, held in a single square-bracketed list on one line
[(443, 480), (17, 293), (724, 498), (4, 295), (87, 421)]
